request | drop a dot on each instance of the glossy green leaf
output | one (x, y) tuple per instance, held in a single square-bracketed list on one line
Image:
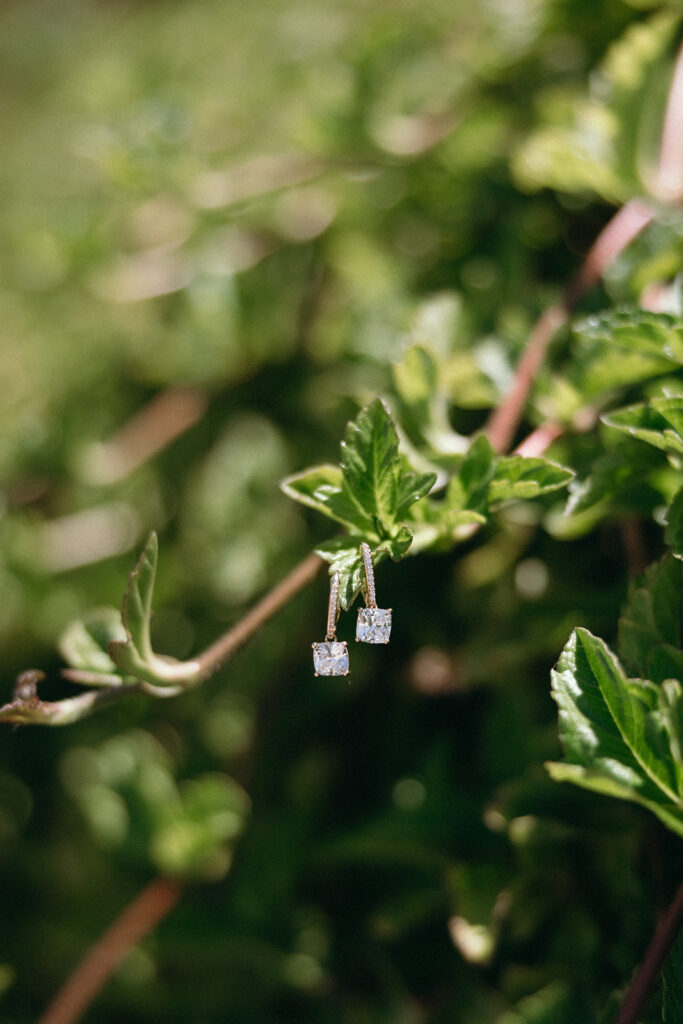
[(371, 470), (658, 422), (620, 736), (518, 478), (652, 616), (84, 644)]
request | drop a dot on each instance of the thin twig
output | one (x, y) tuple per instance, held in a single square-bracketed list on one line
[(215, 656), (137, 920), (626, 223), (664, 937)]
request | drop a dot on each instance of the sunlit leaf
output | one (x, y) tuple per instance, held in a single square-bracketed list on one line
[(85, 643), (618, 734)]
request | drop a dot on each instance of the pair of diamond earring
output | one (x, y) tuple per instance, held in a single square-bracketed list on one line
[(331, 656)]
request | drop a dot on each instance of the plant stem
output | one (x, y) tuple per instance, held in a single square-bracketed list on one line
[(137, 920), (663, 939), (215, 656), (626, 223)]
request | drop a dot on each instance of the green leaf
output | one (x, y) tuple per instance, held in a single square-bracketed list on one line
[(673, 535), (375, 487), (617, 476), (672, 977), (598, 780), (519, 478), (421, 387), (652, 616), (371, 470), (313, 487), (411, 487), (137, 602), (134, 655), (623, 347), (85, 643), (658, 422), (620, 736)]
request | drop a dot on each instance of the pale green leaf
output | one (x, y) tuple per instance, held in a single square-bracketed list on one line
[(84, 644), (134, 655), (314, 486)]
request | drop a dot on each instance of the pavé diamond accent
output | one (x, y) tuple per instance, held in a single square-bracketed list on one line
[(373, 625), (331, 658)]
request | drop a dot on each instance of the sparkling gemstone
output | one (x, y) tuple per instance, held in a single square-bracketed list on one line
[(331, 658), (373, 625)]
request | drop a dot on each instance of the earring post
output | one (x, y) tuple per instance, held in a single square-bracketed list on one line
[(333, 608), (370, 593)]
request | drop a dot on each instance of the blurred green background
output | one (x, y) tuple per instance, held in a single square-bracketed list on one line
[(221, 224)]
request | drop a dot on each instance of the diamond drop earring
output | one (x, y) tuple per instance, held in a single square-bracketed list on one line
[(331, 657), (374, 624)]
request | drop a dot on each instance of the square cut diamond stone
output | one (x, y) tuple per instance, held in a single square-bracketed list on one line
[(331, 658), (373, 625)]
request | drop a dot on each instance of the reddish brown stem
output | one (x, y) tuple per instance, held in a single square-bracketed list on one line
[(665, 935), (613, 239), (219, 652), (138, 919)]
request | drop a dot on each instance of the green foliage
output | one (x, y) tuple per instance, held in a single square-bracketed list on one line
[(370, 494), (624, 737), (605, 140), (224, 230), (127, 792), (134, 655), (84, 644)]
